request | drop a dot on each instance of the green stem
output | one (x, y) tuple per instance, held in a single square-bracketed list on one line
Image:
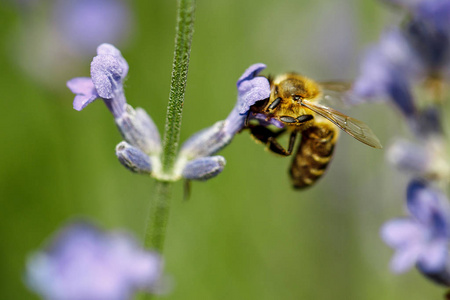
[(160, 203), (183, 39), (159, 206), (158, 216)]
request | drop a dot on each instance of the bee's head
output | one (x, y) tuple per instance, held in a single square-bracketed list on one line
[(292, 88)]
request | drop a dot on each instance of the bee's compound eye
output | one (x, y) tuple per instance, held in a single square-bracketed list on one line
[(275, 103), (296, 97), (304, 118), (287, 119)]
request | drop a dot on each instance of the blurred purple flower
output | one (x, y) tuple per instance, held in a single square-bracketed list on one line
[(387, 72), (84, 263), (409, 157), (418, 51), (84, 24), (427, 159), (428, 32), (423, 238)]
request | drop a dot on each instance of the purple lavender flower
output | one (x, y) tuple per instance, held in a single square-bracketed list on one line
[(251, 88), (423, 238), (194, 160), (84, 24), (84, 263), (108, 71)]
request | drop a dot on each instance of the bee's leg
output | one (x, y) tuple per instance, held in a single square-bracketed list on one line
[(269, 138), (275, 147), (292, 141)]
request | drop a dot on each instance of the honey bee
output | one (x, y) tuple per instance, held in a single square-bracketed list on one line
[(294, 104)]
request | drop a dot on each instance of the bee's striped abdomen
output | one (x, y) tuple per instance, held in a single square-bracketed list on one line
[(313, 154)]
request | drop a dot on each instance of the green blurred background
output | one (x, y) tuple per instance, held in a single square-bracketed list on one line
[(243, 235)]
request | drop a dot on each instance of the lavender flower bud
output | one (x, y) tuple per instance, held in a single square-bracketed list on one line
[(133, 159), (138, 129), (204, 168), (206, 142)]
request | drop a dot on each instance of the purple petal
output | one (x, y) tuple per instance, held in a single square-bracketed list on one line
[(250, 73), (434, 256), (81, 101), (424, 202), (81, 85), (85, 91), (401, 232), (251, 91), (405, 258)]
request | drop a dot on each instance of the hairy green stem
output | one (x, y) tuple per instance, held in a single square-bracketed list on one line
[(158, 216), (160, 203), (184, 32)]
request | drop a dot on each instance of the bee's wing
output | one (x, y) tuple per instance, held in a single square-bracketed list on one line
[(354, 127), (334, 93), (336, 86)]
